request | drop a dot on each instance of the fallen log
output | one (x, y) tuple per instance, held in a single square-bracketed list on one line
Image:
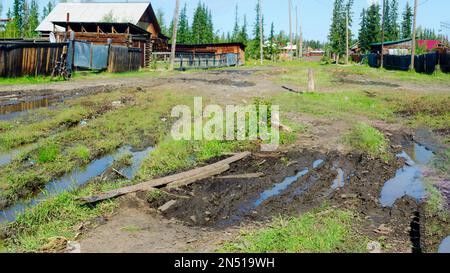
[(179, 179), (291, 90), (242, 176)]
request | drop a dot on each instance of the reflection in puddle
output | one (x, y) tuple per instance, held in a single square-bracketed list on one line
[(444, 247), (11, 111), (339, 182), (76, 179), (8, 157), (408, 179), (317, 163), (278, 188)]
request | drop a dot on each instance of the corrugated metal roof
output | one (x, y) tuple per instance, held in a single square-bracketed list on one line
[(94, 12)]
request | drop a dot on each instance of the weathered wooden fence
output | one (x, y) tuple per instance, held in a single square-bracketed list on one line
[(19, 59), (122, 59)]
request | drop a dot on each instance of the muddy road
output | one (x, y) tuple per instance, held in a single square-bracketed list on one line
[(317, 169)]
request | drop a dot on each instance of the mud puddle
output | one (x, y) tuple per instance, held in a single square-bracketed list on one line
[(408, 180), (13, 109), (8, 157), (444, 247), (77, 179)]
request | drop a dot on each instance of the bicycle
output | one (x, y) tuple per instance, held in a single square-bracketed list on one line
[(60, 68)]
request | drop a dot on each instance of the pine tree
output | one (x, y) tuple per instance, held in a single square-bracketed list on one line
[(48, 8), (183, 34), (337, 35), (253, 49), (243, 35), (373, 25), (362, 37), (18, 17), (407, 22), (33, 19), (394, 30), (236, 29), (161, 21), (202, 30)]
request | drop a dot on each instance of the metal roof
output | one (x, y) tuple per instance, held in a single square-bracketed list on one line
[(94, 12), (392, 42)]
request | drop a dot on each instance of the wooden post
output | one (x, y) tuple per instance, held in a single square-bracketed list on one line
[(290, 27), (174, 35), (347, 38), (261, 38), (311, 84), (382, 33), (413, 45), (296, 31)]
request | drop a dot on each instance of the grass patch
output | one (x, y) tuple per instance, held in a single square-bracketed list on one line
[(176, 155), (80, 152), (318, 231), (48, 153), (53, 218), (365, 138)]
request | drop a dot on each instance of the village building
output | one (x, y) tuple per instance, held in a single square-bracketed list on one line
[(404, 46), (237, 49), (126, 24)]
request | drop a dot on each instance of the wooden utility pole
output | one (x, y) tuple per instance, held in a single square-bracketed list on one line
[(296, 32), (413, 45), (382, 33), (174, 34), (261, 34), (301, 42), (347, 37), (290, 25)]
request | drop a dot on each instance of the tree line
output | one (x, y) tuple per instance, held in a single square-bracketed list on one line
[(25, 16), (397, 25)]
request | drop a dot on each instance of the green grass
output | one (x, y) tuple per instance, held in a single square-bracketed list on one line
[(320, 231), (48, 153), (340, 104), (365, 138), (175, 155), (51, 219), (80, 152), (135, 124)]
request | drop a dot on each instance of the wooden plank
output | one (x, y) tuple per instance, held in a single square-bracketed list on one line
[(181, 178), (242, 176)]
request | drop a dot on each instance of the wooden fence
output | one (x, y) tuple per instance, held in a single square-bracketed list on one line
[(122, 59), (19, 59)]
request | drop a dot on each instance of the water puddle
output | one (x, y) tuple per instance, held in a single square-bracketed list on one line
[(76, 179), (444, 247), (16, 109), (276, 190), (8, 157), (339, 182), (408, 179), (280, 187)]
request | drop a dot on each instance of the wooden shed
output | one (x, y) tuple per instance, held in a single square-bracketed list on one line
[(218, 49)]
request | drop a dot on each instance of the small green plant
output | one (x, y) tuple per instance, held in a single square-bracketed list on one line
[(365, 138), (48, 153), (155, 195), (80, 152)]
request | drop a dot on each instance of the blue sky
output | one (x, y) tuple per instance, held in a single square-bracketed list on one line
[(315, 15)]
